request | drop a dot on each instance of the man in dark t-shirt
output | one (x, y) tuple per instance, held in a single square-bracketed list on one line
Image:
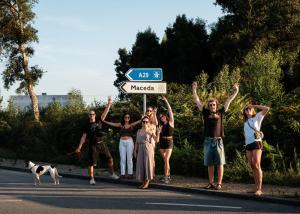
[(214, 154), (93, 132)]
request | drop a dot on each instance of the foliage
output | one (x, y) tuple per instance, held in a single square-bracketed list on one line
[(262, 67), (185, 50), (75, 102), (268, 23), (239, 167), (122, 66), (16, 37)]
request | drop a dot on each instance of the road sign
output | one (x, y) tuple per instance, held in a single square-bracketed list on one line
[(144, 74), (144, 87)]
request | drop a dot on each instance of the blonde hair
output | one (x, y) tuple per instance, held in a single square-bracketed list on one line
[(245, 115)]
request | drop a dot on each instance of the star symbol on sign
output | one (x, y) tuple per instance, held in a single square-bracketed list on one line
[(156, 75)]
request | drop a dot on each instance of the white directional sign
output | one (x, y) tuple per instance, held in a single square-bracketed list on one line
[(144, 87)]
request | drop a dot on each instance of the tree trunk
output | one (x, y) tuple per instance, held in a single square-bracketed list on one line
[(29, 84), (34, 102)]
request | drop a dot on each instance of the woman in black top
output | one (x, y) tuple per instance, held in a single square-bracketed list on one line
[(126, 144), (166, 139)]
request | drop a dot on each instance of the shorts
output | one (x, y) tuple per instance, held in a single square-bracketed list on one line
[(166, 144), (213, 151), (97, 150), (254, 145)]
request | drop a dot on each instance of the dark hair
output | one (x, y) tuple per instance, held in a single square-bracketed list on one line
[(163, 114), (123, 118), (145, 117)]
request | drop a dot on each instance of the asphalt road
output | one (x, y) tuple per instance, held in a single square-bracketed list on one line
[(72, 196)]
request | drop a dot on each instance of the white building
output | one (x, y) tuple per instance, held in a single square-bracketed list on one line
[(24, 102)]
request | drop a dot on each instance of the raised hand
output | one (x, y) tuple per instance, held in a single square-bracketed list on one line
[(110, 101), (236, 86)]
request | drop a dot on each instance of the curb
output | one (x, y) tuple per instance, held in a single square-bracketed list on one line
[(284, 201)]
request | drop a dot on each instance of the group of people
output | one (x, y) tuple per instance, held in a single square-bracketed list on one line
[(148, 136), (214, 154), (154, 131)]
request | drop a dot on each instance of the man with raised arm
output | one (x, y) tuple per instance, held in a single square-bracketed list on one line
[(214, 154), (94, 133)]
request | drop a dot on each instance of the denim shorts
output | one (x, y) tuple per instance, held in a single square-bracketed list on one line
[(213, 151)]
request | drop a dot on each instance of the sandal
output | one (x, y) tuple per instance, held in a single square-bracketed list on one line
[(209, 186), (218, 187)]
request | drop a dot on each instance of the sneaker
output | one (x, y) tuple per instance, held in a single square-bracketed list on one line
[(165, 180), (92, 181), (114, 176)]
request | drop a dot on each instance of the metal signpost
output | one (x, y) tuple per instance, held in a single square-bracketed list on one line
[(144, 81)]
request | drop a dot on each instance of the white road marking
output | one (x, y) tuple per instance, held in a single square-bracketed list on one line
[(193, 205), (11, 200)]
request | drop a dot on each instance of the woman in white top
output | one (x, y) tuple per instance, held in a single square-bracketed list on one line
[(252, 123)]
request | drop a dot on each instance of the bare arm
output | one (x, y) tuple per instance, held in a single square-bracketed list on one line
[(170, 112), (109, 103), (156, 135), (117, 125), (231, 97), (155, 117), (264, 109), (136, 122), (82, 141), (195, 96)]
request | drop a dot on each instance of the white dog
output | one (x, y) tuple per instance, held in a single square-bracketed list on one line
[(38, 171)]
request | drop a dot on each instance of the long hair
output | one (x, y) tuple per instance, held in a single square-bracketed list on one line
[(245, 115), (123, 118), (163, 114)]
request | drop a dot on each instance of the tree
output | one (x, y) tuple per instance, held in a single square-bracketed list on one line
[(16, 36), (145, 53), (186, 51), (269, 23), (122, 66), (261, 76), (75, 102)]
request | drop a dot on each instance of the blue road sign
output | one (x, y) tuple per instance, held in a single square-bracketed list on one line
[(144, 74)]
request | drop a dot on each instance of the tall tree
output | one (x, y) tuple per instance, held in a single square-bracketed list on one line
[(269, 23), (186, 51), (122, 66), (16, 36), (146, 50), (145, 53), (261, 76)]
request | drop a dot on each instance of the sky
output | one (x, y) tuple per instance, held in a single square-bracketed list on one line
[(79, 40)]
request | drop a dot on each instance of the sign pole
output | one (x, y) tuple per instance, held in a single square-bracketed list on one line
[(144, 103)]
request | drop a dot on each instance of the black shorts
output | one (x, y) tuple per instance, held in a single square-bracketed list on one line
[(254, 145), (98, 150), (166, 144)]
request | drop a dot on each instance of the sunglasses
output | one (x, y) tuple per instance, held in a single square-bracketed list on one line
[(145, 121)]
